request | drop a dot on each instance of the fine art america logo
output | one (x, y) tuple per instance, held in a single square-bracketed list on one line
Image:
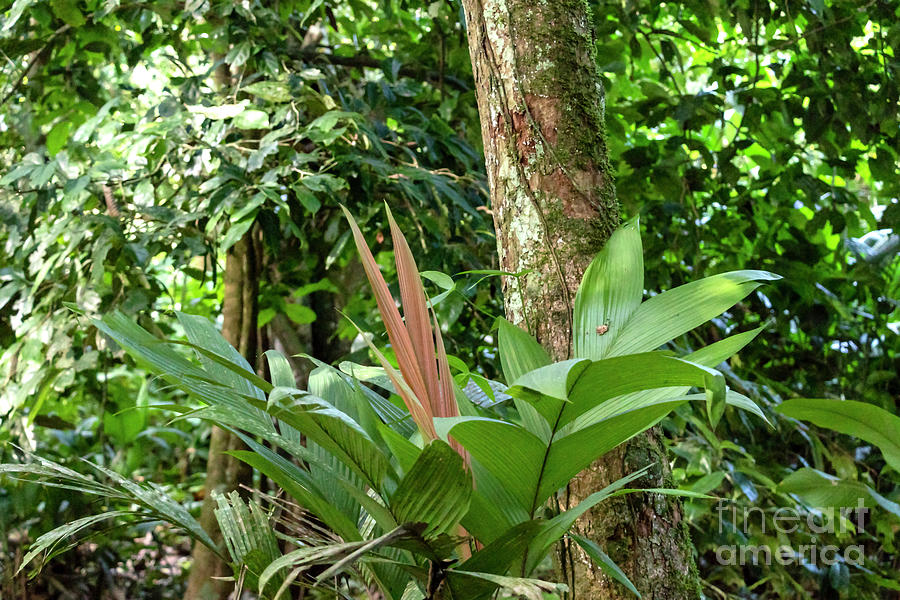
[(786, 521)]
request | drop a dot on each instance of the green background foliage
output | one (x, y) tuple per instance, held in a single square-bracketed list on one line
[(140, 141)]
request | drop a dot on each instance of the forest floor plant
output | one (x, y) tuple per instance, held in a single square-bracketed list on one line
[(404, 481)]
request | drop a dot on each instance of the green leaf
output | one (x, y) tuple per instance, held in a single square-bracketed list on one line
[(554, 381), (238, 55), (279, 369), (67, 11), (236, 231), (591, 384), (51, 539), (610, 291), (670, 314), (332, 429), (273, 91), (404, 451), (224, 364), (249, 536), (125, 426), (517, 587), (708, 356), (42, 174), (826, 491), (519, 351), (606, 564), (299, 314), (58, 136), (218, 113), (436, 490), (509, 452), (868, 422), (251, 119), (442, 280)]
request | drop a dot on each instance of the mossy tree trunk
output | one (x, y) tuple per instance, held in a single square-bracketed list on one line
[(553, 200), (224, 473)]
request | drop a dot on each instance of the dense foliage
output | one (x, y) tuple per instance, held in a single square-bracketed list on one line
[(142, 142)]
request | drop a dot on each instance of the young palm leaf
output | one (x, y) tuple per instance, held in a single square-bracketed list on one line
[(425, 384)]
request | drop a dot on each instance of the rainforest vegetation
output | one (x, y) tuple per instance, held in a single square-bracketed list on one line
[(452, 299)]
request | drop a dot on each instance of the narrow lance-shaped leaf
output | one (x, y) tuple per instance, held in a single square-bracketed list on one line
[(50, 540), (423, 419), (396, 330), (606, 564), (610, 291), (664, 317), (415, 314)]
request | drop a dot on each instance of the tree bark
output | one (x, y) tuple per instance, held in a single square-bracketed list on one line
[(553, 199), (224, 473)]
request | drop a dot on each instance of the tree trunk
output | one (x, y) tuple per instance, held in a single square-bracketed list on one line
[(224, 473), (553, 200)]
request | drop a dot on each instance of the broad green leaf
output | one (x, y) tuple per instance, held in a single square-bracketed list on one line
[(560, 524), (58, 136), (279, 369), (586, 385), (509, 452), (623, 404), (574, 452), (554, 381), (125, 425), (251, 119), (821, 490), (494, 508), (708, 356), (299, 314), (611, 289), (519, 351), (403, 450), (442, 280), (273, 91), (670, 314), (868, 422), (436, 490)]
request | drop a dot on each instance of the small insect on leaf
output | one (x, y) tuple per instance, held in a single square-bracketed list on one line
[(602, 329)]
